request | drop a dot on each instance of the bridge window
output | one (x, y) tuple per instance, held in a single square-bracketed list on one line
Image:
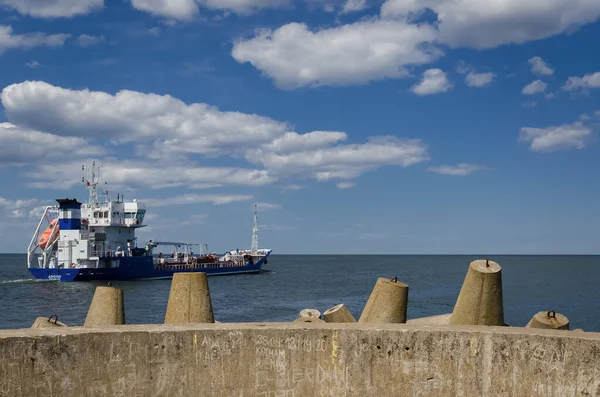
[(140, 215)]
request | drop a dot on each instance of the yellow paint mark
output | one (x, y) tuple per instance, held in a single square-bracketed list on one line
[(195, 340), (473, 346), (334, 347)]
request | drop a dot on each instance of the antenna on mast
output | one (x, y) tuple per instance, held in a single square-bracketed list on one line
[(92, 182), (255, 231)]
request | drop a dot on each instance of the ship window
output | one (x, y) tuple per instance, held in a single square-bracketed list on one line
[(106, 214), (129, 215)]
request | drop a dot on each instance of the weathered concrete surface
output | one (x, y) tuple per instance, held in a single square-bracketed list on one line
[(310, 313), (189, 300), (441, 319), (308, 320), (107, 308), (480, 300), (47, 322), (387, 303), (299, 360), (549, 320), (338, 314)]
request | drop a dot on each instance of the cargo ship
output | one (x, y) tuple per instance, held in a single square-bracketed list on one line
[(96, 240)]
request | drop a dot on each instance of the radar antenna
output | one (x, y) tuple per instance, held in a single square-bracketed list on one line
[(255, 231)]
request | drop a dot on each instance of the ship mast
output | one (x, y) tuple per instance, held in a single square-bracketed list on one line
[(255, 231), (92, 183)]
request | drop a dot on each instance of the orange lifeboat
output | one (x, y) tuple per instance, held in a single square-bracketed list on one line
[(45, 237)]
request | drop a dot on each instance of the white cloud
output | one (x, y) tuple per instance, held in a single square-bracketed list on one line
[(188, 9), (178, 9), (8, 40), (85, 40), (538, 66), (216, 199), (53, 8), (33, 64), (344, 161), (292, 187), (194, 219), (17, 209), (434, 81), (261, 206), (484, 24), (37, 212), (293, 142), (18, 204), (166, 123), (583, 83), (154, 31), (463, 68), (295, 56), (354, 5), (24, 146), (474, 79), (164, 133), (535, 87), (151, 175), (553, 138), (597, 113), (244, 6), (461, 169), (345, 185)]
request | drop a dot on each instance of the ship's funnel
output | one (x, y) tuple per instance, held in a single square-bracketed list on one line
[(338, 314), (189, 300), (387, 303), (480, 299), (107, 308), (548, 320)]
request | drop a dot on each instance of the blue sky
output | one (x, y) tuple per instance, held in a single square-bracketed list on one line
[(397, 126)]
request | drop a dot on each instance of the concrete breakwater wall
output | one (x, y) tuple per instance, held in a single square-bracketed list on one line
[(298, 360), (467, 352)]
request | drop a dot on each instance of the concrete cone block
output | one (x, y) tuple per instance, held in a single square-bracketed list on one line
[(442, 319), (480, 299), (338, 314), (308, 320), (47, 322), (310, 313), (189, 300), (106, 308), (387, 302), (548, 320)]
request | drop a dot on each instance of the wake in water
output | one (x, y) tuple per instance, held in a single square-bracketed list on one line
[(22, 281)]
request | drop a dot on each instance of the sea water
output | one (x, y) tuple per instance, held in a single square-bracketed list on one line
[(566, 284)]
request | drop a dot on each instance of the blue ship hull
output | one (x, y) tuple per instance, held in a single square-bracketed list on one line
[(138, 268)]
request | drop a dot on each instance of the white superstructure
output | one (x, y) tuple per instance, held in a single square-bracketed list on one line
[(77, 235)]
